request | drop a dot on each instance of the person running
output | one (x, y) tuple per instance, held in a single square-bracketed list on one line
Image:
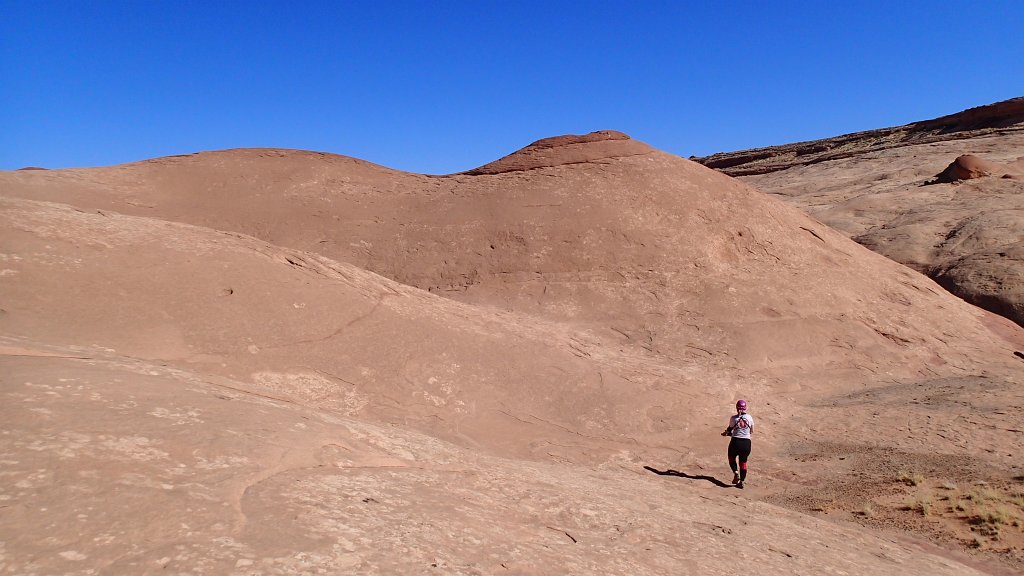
[(740, 427)]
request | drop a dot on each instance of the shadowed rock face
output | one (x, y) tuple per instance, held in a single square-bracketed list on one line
[(290, 361), (965, 231)]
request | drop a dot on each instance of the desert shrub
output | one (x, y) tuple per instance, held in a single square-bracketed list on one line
[(996, 516), (980, 495), (868, 510), (922, 507), (911, 478), (988, 494)]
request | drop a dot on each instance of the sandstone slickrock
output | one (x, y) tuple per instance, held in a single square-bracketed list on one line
[(276, 361), (943, 196), (988, 120), (969, 167)]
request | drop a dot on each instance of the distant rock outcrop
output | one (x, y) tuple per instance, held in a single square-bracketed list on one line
[(966, 231), (975, 122), (969, 167)]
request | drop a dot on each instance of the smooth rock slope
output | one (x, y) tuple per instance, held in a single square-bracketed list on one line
[(275, 361), (943, 196)]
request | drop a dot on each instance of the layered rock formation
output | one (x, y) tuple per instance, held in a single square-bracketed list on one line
[(965, 231), (991, 119)]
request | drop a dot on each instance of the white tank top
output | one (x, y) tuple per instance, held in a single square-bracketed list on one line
[(741, 426)]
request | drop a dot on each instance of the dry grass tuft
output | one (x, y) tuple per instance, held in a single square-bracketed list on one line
[(922, 506), (911, 478), (868, 510), (995, 516)]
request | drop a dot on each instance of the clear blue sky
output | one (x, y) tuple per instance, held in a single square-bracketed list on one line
[(439, 87)]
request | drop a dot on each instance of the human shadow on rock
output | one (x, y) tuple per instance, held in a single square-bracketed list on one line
[(711, 479)]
